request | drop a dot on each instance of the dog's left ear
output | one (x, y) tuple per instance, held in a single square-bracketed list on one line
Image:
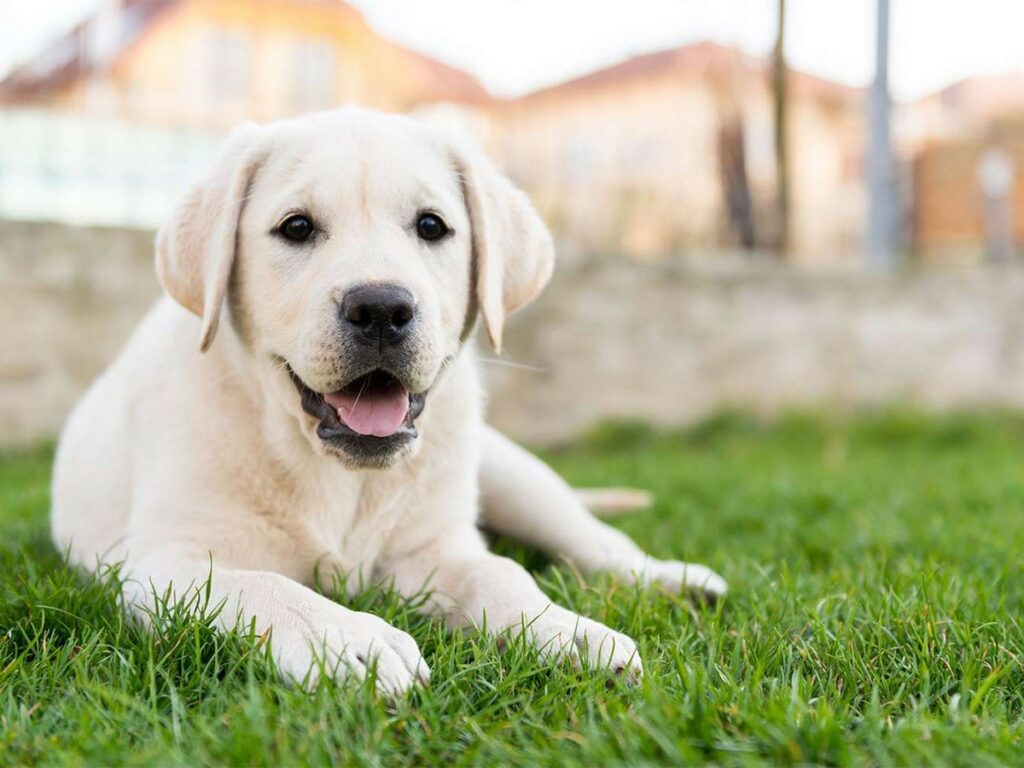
[(195, 249), (513, 255)]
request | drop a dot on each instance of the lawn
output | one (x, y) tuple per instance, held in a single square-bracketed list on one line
[(874, 618)]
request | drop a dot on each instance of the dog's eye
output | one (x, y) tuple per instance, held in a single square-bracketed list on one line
[(430, 227), (296, 228)]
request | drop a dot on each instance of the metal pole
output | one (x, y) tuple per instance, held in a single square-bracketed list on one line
[(883, 205), (781, 131)]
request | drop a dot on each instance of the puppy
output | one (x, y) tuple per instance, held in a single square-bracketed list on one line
[(332, 269)]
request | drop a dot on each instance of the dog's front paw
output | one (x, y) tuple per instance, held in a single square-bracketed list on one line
[(561, 634), (347, 644), (676, 576)]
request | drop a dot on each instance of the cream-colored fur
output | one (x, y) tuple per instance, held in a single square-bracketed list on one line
[(184, 466)]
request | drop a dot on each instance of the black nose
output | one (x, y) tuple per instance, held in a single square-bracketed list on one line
[(380, 314)]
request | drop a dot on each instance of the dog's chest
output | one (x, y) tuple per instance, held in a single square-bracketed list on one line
[(350, 522)]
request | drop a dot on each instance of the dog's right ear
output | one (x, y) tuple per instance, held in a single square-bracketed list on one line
[(513, 255), (195, 249)]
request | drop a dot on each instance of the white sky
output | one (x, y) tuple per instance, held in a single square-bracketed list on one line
[(516, 45)]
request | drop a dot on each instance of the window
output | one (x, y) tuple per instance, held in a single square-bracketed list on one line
[(313, 77), (228, 61), (579, 159)]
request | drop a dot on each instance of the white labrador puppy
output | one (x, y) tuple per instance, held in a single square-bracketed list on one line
[(336, 425)]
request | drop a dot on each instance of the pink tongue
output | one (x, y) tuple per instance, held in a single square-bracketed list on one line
[(377, 411)]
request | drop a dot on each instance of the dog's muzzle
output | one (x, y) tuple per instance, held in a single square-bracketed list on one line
[(370, 420)]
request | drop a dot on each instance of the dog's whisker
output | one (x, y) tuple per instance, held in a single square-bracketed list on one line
[(362, 389), (512, 364)]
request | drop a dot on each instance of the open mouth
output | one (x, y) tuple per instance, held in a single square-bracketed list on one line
[(371, 417)]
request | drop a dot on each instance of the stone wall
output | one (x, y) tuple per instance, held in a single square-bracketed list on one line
[(673, 343), (668, 343), (69, 298)]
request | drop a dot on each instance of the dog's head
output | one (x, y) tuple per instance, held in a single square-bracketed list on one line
[(351, 251)]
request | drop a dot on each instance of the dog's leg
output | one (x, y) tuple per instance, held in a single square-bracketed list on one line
[(305, 627), (470, 587), (523, 498)]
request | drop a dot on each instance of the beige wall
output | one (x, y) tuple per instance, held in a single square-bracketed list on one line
[(669, 343), (828, 195), (612, 169)]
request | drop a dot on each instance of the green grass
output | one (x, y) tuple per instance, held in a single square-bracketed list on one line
[(874, 618)]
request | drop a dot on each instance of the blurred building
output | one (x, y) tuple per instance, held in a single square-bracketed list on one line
[(107, 123), (665, 153), (674, 151), (210, 64)]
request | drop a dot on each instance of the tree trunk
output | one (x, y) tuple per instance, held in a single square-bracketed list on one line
[(732, 167)]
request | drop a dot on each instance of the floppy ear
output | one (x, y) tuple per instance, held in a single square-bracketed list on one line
[(195, 249), (513, 255)]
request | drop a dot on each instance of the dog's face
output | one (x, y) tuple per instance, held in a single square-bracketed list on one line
[(354, 249), (353, 274)]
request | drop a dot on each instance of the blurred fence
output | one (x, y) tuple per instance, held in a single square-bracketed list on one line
[(669, 342), (56, 166), (949, 211)]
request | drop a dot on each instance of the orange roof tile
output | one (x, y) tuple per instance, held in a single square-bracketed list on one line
[(699, 59)]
